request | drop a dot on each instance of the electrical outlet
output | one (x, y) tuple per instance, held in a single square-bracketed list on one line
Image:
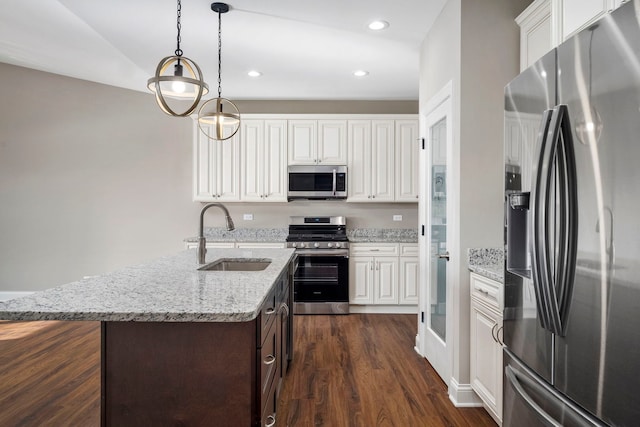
[(397, 217), (247, 217)]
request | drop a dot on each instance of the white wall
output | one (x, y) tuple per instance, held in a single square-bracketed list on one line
[(93, 178), (475, 45)]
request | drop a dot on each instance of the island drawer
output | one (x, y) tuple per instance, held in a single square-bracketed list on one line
[(267, 315), (268, 364)]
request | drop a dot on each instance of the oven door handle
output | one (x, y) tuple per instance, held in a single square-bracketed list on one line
[(323, 252)]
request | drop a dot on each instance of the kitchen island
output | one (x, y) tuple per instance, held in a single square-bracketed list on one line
[(182, 346)]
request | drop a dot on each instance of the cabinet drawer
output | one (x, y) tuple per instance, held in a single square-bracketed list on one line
[(267, 315), (374, 249), (269, 410), (409, 249), (268, 364), (486, 290)]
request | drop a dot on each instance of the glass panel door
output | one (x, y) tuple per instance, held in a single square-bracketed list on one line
[(438, 230)]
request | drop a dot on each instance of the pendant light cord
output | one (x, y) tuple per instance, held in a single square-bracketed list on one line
[(178, 51), (219, 55)]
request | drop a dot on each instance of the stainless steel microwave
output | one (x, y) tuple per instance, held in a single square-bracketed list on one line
[(317, 182)]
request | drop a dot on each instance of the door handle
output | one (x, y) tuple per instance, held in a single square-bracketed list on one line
[(444, 255)]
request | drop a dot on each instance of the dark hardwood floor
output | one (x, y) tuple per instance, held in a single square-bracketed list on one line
[(49, 374), (362, 370), (356, 370)]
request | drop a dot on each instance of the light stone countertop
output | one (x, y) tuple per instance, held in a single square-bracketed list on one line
[(168, 289), (355, 235), (487, 262), (383, 235)]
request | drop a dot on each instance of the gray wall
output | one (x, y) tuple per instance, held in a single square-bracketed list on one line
[(93, 178), (476, 46)]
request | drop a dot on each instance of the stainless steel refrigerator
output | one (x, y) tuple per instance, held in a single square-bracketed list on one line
[(572, 232)]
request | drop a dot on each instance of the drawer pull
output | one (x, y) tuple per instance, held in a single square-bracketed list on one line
[(270, 311), (270, 421), (483, 291), (269, 360)]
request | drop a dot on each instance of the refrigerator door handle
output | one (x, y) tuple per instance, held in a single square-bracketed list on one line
[(514, 378), (538, 203), (559, 161)]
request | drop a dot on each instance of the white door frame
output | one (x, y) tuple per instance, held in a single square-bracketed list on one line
[(429, 345)]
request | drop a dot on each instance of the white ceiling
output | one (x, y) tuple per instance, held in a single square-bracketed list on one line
[(305, 49)]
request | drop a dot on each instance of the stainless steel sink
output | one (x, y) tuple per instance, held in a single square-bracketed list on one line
[(237, 264)]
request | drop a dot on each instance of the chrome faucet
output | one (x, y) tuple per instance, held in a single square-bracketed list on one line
[(202, 242)]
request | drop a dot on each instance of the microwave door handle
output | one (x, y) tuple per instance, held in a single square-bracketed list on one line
[(335, 178)]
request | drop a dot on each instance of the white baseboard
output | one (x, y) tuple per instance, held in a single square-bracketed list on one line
[(463, 396), (384, 309), (6, 296)]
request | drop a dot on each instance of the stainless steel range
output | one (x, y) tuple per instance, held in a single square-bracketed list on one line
[(321, 280)]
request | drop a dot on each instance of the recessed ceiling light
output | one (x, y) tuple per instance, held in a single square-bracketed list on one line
[(254, 73), (360, 73), (378, 25)]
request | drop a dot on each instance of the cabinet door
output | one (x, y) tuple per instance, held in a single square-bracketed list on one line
[(332, 142), (579, 14), (407, 150), (275, 161), (302, 142), (228, 169), (359, 166), (252, 136), (409, 268), (217, 168), (536, 35), (204, 166), (386, 280), (486, 357), (360, 280), (382, 160)]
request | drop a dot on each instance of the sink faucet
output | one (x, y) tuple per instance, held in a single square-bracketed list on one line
[(202, 242)]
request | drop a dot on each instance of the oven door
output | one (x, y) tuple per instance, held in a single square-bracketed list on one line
[(322, 276)]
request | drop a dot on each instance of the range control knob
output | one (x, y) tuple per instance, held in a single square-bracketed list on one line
[(330, 245), (301, 245), (316, 245), (294, 245), (338, 245)]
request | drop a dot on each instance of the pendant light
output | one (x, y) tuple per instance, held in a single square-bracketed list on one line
[(219, 118), (179, 79)]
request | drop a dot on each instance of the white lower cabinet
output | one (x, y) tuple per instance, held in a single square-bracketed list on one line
[(409, 268), (486, 343), (380, 275)]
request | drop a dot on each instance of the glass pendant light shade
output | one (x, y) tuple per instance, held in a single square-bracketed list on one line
[(178, 85), (219, 119)]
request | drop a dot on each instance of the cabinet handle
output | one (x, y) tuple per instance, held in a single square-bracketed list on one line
[(492, 334), (373, 197), (374, 250), (270, 311), (369, 196), (285, 307), (371, 265), (271, 421), (483, 292), (500, 341), (269, 360)]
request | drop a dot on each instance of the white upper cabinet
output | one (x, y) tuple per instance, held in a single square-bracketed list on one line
[(535, 32), (264, 160), (547, 23), (371, 161), (407, 150), (217, 168), (317, 142), (575, 15)]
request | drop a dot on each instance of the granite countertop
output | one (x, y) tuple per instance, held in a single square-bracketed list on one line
[(220, 234), (383, 235), (487, 262), (168, 289), (356, 235)]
